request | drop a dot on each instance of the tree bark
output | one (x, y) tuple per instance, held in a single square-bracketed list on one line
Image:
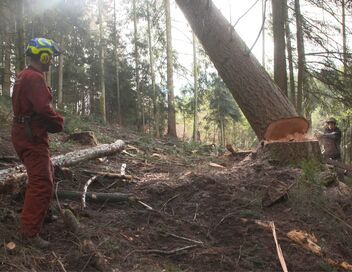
[(136, 63), (344, 43), (260, 99), (292, 93), (301, 77), (290, 153), (280, 71), (101, 62), (195, 86), (20, 59), (152, 76), (60, 79), (117, 68), (6, 86), (263, 32), (171, 131), (13, 178)]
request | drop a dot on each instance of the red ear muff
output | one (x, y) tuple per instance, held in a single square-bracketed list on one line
[(45, 58)]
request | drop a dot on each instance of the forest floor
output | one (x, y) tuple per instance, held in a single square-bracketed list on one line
[(203, 216)]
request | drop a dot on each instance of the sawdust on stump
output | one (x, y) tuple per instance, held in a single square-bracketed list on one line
[(286, 127)]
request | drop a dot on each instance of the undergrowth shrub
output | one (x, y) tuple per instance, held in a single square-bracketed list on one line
[(308, 193), (76, 123), (5, 108)]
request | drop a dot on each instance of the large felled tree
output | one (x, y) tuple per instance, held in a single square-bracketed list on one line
[(259, 98)]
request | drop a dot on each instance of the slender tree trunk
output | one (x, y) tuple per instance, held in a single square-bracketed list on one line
[(344, 43), (152, 76), (230, 11), (261, 101), (184, 126), (170, 74), (292, 93), (1, 57), (7, 61), (20, 59), (263, 32), (301, 77), (195, 86), (101, 62), (350, 149), (136, 63), (117, 67), (48, 77), (222, 131), (60, 82), (280, 71)]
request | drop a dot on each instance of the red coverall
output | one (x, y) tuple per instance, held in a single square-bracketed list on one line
[(31, 97)]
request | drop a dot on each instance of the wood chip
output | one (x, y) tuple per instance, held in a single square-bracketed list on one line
[(10, 246), (212, 164)]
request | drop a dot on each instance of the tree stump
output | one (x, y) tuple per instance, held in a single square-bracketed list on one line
[(84, 138), (290, 153)]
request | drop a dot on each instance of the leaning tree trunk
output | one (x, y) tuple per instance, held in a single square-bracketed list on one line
[(12, 178), (259, 98)]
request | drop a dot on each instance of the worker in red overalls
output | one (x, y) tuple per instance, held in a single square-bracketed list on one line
[(34, 117)]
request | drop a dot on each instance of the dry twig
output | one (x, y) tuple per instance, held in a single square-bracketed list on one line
[(169, 200), (146, 205), (186, 239), (336, 217), (85, 191), (161, 252), (60, 263), (278, 249)]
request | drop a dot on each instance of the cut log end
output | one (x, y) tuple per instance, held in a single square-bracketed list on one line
[(287, 128)]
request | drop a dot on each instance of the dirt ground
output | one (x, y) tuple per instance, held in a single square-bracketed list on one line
[(200, 217)]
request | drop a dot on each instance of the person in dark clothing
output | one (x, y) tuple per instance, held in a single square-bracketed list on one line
[(34, 117), (332, 140)]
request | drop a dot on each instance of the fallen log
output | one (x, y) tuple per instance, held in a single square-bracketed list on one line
[(12, 179), (339, 164), (97, 197)]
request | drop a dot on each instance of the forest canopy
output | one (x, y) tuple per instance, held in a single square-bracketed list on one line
[(120, 63)]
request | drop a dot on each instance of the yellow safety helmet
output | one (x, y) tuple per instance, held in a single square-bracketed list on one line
[(44, 48)]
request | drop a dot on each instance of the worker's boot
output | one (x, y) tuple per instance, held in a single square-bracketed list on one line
[(36, 241)]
